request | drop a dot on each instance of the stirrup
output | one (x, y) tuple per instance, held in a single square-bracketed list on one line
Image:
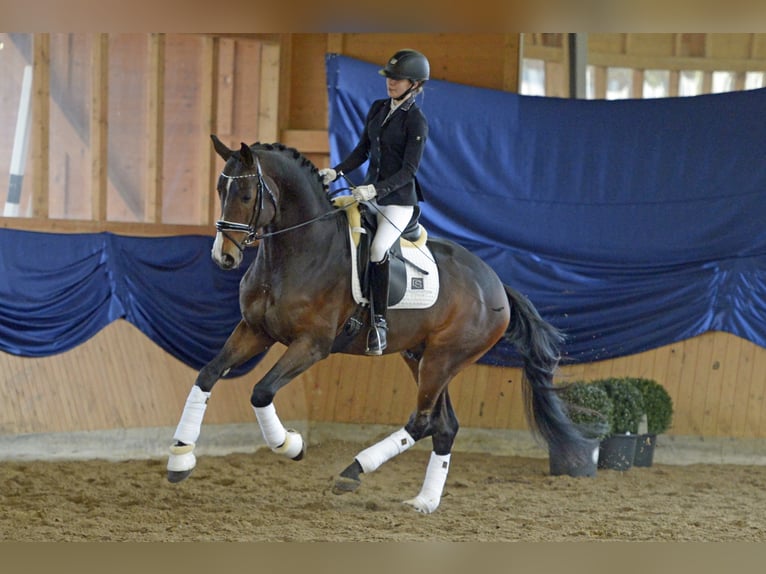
[(376, 336)]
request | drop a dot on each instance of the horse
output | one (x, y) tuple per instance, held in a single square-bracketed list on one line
[(297, 292)]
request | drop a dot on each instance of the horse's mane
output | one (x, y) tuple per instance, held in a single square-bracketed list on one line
[(303, 162), (294, 154)]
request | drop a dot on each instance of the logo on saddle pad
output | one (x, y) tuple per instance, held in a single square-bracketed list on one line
[(414, 277)]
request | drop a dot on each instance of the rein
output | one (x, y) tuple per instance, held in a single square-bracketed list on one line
[(252, 235)]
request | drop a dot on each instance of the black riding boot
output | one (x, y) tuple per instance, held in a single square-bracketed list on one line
[(376, 338)]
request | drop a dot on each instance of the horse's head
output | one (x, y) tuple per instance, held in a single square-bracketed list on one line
[(247, 203)]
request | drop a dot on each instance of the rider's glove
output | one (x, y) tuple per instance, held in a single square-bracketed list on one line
[(364, 192), (328, 175)]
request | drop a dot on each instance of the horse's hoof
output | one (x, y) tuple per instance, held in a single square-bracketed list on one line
[(178, 475), (344, 485), (300, 455), (421, 505)]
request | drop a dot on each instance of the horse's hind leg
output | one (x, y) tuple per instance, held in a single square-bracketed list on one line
[(443, 426), (241, 345), (434, 417)]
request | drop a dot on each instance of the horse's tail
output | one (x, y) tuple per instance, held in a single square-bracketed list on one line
[(537, 341)]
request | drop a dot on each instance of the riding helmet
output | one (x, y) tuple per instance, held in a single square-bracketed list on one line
[(407, 65)]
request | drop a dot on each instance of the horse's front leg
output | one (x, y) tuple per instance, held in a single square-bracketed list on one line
[(242, 345), (298, 357)]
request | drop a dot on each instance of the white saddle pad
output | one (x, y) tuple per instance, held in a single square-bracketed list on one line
[(422, 288)]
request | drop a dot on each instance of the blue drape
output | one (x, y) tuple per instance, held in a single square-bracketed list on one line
[(58, 290), (630, 224)]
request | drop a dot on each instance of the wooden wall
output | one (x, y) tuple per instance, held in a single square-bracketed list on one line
[(120, 379)]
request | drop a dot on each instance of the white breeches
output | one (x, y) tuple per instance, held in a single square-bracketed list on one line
[(392, 219)]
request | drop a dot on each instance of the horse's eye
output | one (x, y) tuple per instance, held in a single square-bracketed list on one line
[(247, 197)]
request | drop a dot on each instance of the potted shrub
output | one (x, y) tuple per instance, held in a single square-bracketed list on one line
[(590, 408), (617, 450), (658, 407)]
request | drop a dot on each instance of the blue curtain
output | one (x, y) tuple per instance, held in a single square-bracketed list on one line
[(630, 224), (58, 290)]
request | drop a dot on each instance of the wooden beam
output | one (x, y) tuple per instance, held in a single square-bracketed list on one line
[(511, 62), (307, 141), (335, 43), (637, 84), (206, 172), (684, 63), (268, 109), (155, 128), (41, 92), (285, 81), (99, 126), (45, 225)]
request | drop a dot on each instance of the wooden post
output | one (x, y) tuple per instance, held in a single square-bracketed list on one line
[(99, 126), (268, 128), (511, 62), (209, 108), (41, 75), (285, 79), (155, 129)]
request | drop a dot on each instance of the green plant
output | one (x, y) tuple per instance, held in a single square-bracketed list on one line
[(657, 404), (628, 403), (589, 407)]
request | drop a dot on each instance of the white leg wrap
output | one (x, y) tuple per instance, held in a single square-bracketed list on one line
[(191, 420), (395, 443), (271, 427), (433, 485)]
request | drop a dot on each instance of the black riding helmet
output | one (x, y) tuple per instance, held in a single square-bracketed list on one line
[(407, 65)]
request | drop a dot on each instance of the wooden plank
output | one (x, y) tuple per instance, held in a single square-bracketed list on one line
[(225, 89), (743, 383), (599, 82), (335, 43), (715, 384), (511, 62), (285, 84), (45, 225), (99, 125), (690, 398), (673, 83), (730, 368), (155, 128), (637, 84), (40, 136), (207, 174), (307, 141), (670, 63), (268, 108)]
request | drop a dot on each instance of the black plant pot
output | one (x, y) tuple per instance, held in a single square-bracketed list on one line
[(617, 452), (645, 450), (559, 465)]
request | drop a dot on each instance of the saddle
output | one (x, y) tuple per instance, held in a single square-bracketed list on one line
[(363, 223), (413, 275)]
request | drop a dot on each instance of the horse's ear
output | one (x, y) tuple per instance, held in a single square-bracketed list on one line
[(220, 148), (247, 155)]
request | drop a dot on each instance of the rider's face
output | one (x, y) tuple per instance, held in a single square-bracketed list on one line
[(396, 88)]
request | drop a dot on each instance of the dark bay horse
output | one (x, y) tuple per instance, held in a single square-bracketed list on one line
[(298, 292)]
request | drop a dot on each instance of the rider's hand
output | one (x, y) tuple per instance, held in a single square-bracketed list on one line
[(328, 175), (364, 192)]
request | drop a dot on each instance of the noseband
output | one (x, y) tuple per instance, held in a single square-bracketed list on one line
[(250, 228)]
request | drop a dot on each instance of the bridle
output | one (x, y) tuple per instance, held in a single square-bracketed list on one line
[(225, 226), (250, 228)]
